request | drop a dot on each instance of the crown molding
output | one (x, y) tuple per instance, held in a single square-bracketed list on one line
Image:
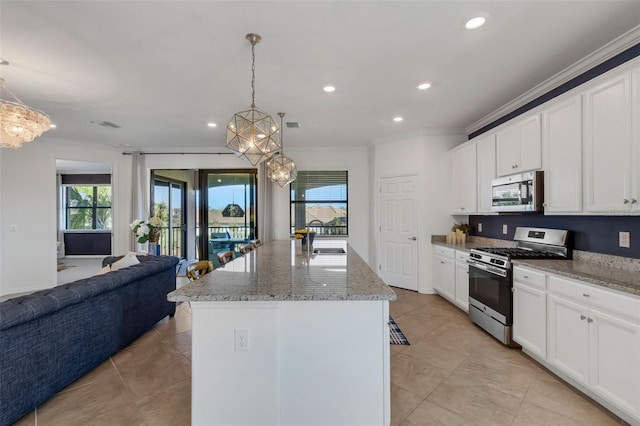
[(606, 52)]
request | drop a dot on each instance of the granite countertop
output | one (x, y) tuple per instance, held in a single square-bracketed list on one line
[(274, 272), (615, 272), (472, 242), (594, 272)]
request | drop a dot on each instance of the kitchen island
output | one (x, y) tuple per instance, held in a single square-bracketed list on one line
[(283, 338)]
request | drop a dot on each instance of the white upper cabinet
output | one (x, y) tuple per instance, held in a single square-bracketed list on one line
[(463, 166), (519, 147), (609, 146), (562, 156), (486, 153)]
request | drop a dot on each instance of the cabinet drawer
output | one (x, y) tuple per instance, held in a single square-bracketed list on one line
[(598, 297), (529, 277), (462, 256), (444, 251)]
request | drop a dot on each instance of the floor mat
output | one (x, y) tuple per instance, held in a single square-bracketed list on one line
[(396, 336)]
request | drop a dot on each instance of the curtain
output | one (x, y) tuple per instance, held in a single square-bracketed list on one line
[(139, 196), (265, 204)]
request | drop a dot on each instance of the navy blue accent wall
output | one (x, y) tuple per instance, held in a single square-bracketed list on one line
[(589, 233), (608, 65)]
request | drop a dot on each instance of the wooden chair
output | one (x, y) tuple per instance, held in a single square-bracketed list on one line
[(225, 257), (244, 249), (256, 243), (198, 269)]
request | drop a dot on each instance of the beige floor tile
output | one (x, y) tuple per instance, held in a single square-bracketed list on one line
[(105, 370), (175, 325), (422, 320), (180, 341), (403, 403), (147, 372), (553, 394), (532, 415), (414, 376), (428, 414), (170, 407), (149, 339), (437, 356), (476, 401), (398, 349), (105, 402)]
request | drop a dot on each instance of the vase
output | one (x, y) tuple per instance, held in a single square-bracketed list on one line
[(154, 248)]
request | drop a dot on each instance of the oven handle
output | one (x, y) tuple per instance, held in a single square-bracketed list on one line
[(488, 268)]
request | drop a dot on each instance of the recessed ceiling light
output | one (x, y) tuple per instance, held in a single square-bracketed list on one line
[(329, 89), (212, 125), (424, 86), (476, 21), (398, 119), (53, 126)]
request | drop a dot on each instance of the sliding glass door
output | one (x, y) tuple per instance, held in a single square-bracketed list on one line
[(227, 210), (169, 203)]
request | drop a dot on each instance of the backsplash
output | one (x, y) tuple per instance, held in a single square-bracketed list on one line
[(597, 234)]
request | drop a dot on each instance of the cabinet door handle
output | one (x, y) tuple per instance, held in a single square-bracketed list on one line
[(633, 201), (442, 262), (586, 295), (589, 320), (525, 277), (582, 317), (626, 201), (461, 208)]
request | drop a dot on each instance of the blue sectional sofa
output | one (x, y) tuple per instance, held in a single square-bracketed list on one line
[(51, 338)]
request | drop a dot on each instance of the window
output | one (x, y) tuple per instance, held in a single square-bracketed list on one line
[(320, 199), (87, 207)]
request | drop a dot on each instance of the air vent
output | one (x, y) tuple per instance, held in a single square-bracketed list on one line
[(293, 125), (105, 124)]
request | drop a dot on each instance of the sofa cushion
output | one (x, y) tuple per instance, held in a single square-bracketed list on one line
[(104, 270), (126, 261)]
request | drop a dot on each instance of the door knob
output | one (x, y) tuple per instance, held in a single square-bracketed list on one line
[(412, 238), (589, 319), (633, 201), (626, 201), (582, 317)]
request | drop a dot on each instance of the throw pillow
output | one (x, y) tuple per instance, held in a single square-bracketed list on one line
[(104, 270), (128, 260)]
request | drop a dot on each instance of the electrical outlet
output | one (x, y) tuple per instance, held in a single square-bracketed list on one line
[(241, 340), (624, 239), (479, 227), (505, 230)]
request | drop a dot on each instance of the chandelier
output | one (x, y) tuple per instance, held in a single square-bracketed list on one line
[(18, 122), (251, 133), (280, 168)]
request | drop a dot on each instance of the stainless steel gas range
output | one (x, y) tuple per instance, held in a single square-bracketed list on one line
[(490, 276)]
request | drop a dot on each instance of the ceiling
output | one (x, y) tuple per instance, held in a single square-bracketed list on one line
[(162, 69)]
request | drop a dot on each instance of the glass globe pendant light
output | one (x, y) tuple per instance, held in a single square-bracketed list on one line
[(280, 168), (251, 133)]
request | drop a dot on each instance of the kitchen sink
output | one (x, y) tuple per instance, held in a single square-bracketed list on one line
[(329, 250)]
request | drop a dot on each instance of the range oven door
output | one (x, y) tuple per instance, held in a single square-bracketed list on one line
[(491, 287)]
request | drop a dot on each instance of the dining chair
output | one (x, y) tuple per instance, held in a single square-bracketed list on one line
[(198, 269), (246, 248), (225, 257)]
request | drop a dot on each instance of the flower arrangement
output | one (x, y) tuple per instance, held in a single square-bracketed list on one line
[(147, 231), (465, 228)]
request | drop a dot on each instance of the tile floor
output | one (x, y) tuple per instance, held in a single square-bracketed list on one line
[(451, 374)]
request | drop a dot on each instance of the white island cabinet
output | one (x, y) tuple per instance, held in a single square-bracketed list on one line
[(281, 338)]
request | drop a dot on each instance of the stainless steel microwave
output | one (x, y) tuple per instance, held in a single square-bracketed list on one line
[(518, 193)]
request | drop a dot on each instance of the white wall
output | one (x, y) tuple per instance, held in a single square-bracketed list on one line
[(353, 159), (427, 156), (28, 209)]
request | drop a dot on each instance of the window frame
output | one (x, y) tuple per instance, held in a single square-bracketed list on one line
[(94, 207), (293, 202)]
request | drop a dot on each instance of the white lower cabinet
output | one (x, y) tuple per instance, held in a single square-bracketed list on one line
[(594, 339), (530, 310), (451, 275), (462, 280), (444, 271)]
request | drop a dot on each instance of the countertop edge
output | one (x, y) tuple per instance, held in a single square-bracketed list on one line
[(288, 298)]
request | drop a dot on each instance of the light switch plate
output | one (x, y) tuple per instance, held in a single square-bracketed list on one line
[(505, 230), (624, 239), (479, 227)]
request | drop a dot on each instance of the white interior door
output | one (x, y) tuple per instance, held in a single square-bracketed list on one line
[(399, 231)]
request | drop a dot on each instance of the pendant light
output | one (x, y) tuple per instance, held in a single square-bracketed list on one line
[(251, 133), (233, 209), (19, 123), (280, 168)]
